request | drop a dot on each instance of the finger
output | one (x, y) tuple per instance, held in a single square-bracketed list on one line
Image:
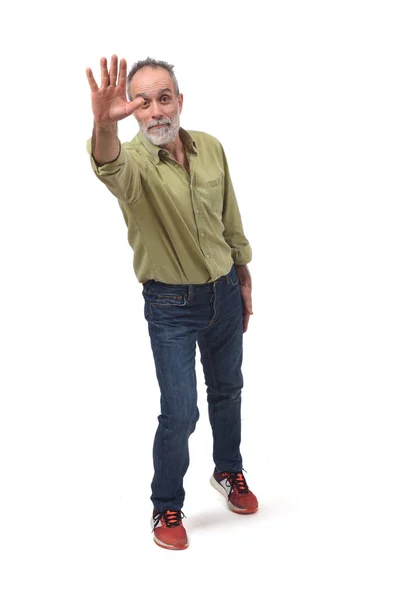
[(247, 303), (92, 82), (122, 73), (113, 70), (130, 107), (135, 104), (246, 318), (105, 80)]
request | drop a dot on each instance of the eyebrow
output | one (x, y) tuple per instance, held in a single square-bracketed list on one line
[(159, 92)]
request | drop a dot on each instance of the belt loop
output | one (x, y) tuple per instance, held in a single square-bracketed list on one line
[(190, 292)]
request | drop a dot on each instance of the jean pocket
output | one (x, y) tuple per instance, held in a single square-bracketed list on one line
[(233, 276), (161, 298)]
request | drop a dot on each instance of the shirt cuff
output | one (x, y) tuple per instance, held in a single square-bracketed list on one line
[(241, 256), (108, 168)]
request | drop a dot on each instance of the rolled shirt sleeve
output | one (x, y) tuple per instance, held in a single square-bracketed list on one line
[(121, 176)]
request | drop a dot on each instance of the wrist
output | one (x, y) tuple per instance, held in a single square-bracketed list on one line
[(243, 274), (242, 269), (105, 127)]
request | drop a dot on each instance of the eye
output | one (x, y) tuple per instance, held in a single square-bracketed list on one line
[(165, 98), (145, 104)]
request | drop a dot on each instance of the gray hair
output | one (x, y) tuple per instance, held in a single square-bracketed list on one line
[(150, 62)]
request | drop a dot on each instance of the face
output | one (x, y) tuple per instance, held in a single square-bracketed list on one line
[(158, 116)]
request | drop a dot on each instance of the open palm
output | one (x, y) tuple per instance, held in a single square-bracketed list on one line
[(109, 102)]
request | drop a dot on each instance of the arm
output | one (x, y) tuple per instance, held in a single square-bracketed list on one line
[(109, 104), (106, 146), (241, 249), (231, 218)]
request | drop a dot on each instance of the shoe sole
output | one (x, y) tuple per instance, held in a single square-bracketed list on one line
[(239, 511), (167, 546)]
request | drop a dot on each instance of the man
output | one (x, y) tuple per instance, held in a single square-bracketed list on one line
[(190, 254)]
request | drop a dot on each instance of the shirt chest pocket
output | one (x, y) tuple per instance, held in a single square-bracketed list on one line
[(212, 193)]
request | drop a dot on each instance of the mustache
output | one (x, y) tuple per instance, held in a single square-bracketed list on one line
[(164, 121)]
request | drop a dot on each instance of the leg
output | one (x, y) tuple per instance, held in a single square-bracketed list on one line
[(174, 349), (221, 348)]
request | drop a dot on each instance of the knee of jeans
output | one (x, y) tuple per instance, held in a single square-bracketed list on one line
[(180, 422), (234, 395)]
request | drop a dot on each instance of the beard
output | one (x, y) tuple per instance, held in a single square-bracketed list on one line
[(160, 136)]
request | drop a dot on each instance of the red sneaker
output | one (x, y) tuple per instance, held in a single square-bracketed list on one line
[(168, 530), (235, 489)]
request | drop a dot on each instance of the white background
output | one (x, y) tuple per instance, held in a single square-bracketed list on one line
[(304, 97)]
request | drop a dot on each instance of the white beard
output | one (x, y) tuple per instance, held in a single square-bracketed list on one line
[(162, 135)]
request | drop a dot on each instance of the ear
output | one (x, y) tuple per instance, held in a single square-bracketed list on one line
[(180, 102)]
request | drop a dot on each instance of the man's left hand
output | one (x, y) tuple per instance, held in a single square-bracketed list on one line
[(245, 289)]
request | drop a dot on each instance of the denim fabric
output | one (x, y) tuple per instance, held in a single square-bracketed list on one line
[(178, 316)]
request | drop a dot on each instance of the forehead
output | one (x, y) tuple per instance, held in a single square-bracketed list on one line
[(148, 80)]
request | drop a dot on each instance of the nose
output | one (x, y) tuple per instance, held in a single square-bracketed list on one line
[(156, 110)]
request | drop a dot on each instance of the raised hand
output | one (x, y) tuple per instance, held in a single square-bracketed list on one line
[(109, 102)]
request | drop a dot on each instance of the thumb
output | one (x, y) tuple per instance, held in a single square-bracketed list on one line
[(134, 105)]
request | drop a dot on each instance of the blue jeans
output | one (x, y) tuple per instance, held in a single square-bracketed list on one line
[(178, 316)]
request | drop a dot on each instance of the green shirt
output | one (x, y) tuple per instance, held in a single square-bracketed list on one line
[(182, 228)]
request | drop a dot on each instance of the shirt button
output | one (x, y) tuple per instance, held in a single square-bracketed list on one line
[(202, 233), (197, 210), (208, 256)]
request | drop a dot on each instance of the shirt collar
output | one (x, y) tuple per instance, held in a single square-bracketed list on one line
[(155, 151)]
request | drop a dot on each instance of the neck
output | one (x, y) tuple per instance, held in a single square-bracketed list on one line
[(175, 148)]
